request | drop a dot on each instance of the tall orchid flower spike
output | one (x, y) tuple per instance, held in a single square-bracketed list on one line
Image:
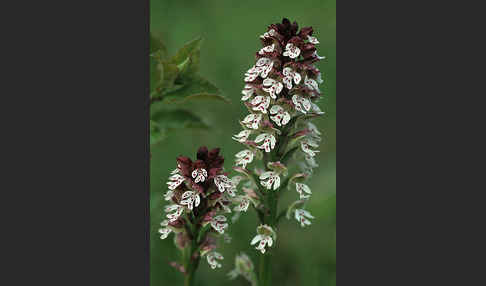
[(281, 90), (200, 194)]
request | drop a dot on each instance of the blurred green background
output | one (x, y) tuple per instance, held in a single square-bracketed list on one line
[(231, 29)]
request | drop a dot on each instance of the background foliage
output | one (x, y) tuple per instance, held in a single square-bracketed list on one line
[(231, 30)]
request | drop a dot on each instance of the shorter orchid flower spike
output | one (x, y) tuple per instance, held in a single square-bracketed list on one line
[(242, 136), (211, 257), (301, 189), (272, 178), (302, 104), (244, 157), (199, 175), (268, 141), (190, 199), (302, 216), (291, 51), (175, 180), (265, 236), (281, 116), (219, 224), (252, 120)]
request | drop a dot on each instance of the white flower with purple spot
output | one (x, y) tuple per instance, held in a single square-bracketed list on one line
[(199, 175), (264, 66), (219, 224), (261, 103), (302, 104), (311, 84), (291, 51), (271, 33), (211, 258), (176, 214), (272, 86), (265, 236), (280, 116), (244, 157), (290, 75), (175, 181), (223, 183), (252, 120), (247, 92), (312, 40), (301, 189), (190, 199), (168, 195), (244, 203), (303, 217), (269, 178), (306, 144), (242, 136), (268, 141), (267, 49)]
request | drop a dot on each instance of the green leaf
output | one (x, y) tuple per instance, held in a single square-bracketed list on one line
[(157, 133), (197, 88), (176, 119)]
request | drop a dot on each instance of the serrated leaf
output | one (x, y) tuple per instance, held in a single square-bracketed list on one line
[(198, 88)]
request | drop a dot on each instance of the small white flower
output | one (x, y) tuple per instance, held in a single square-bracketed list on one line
[(175, 171), (223, 202), (313, 129), (164, 232), (175, 215), (291, 51), (219, 223), (175, 181), (267, 49), (261, 103), (272, 178), (242, 136), (312, 40), (317, 56), (302, 216), (244, 157), (252, 120), (243, 205), (252, 73), (190, 199), (268, 141), (223, 183), (301, 189), (319, 78), (302, 104), (311, 84), (281, 116), (263, 67), (265, 235), (306, 144), (247, 92), (211, 257), (290, 75), (168, 195), (199, 175), (268, 34), (272, 86)]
